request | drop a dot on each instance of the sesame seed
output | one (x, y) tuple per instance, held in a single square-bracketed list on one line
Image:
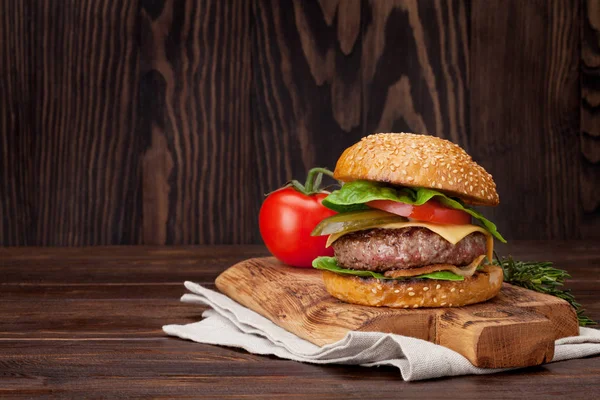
[(461, 290), (416, 306), (443, 303), (425, 289), (423, 151), (438, 286), (409, 289), (453, 289), (450, 305), (444, 296), (406, 306), (434, 300), (396, 291), (374, 290), (411, 293)]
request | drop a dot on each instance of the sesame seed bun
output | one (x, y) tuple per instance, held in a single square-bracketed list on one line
[(414, 160), (415, 293)]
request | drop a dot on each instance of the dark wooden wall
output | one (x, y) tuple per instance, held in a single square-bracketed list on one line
[(163, 121)]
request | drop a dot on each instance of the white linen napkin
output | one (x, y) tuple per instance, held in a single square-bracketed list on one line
[(228, 323)]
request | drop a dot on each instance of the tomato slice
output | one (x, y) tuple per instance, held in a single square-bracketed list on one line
[(432, 211)]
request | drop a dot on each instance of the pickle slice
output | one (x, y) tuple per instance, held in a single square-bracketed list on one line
[(355, 221)]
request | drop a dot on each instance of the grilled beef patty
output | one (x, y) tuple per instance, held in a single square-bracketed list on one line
[(385, 249)]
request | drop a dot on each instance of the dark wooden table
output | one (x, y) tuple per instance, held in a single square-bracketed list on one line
[(87, 322)]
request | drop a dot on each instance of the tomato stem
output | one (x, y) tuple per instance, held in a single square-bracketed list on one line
[(298, 186), (314, 178)]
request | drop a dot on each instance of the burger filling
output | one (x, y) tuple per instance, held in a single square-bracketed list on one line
[(384, 250), (387, 232)]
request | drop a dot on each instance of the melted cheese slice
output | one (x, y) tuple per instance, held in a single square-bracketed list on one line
[(452, 233)]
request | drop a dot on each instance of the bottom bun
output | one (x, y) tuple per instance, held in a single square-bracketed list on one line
[(415, 293)]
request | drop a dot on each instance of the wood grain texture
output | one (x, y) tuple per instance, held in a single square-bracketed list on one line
[(590, 119), (524, 113), (328, 72), (306, 90), (112, 318), (415, 67), (39, 360), (71, 266), (166, 121), (68, 151), (168, 368), (195, 93)]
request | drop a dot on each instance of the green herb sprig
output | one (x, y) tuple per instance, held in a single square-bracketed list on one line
[(542, 277)]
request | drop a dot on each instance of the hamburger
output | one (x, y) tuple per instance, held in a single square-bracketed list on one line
[(405, 234)]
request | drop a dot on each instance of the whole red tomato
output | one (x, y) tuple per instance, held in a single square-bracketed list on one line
[(286, 219)]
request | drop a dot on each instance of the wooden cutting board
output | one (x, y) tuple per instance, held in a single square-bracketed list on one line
[(517, 328)]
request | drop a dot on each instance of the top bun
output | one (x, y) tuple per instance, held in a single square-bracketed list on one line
[(408, 159)]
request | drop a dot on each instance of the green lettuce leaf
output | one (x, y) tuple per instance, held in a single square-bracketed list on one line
[(330, 264), (353, 196)]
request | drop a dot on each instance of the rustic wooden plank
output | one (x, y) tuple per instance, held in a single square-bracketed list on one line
[(83, 317), (566, 254), (129, 253), (524, 93), (106, 272), (69, 166), (306, 86), (198, 176), (133, 121), (111, 265), (98, 291), (415, 67), (171, 367), (590, 119)]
